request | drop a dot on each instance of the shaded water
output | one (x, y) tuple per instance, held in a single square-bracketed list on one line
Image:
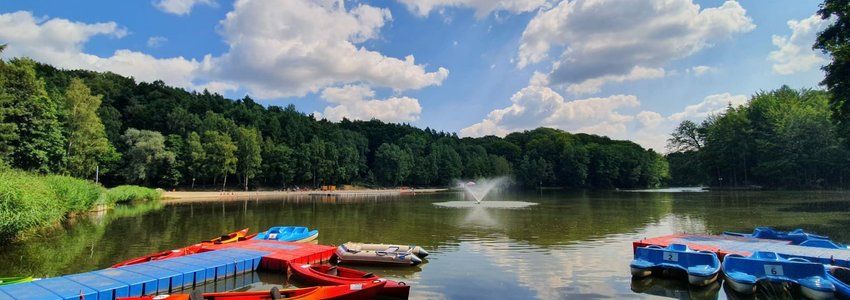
[(568, 245)]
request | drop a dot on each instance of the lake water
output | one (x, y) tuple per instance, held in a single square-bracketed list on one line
[(567, 245)]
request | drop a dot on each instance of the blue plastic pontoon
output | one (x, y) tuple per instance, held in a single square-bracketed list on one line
[(702, 266)]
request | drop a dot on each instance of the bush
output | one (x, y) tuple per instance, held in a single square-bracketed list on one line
[(76, 195), (26, 201), (128, 193)]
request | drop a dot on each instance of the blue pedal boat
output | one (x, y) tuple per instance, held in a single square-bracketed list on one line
[(702, 266), (288, 234), (742, 273), (796, 236), (840, 277)]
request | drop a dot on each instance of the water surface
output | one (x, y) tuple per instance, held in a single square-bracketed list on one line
[(566, 245)]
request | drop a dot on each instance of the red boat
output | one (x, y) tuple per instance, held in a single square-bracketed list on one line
[(333, 275), (232, 237), (358, 291)]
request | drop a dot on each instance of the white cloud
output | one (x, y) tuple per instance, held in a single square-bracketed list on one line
[(700, 70), (712, 104), (291, 47), (180, 7), (603, 39), (593, 85), (356, 102), (613, 116), (482, 7), (60, 42), (795, 53), (156, 41)]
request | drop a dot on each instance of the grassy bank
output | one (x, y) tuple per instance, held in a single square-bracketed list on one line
[(30, 201)]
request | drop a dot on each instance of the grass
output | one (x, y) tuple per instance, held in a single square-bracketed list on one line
[(30, 201)]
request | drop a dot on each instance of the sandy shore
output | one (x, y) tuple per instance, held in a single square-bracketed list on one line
[(237, 195)]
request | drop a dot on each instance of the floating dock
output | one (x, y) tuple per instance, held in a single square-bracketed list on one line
[(171, 275), (724, 245)]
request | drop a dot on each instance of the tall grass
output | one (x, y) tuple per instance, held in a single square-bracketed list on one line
[(29, 201), (131, 193)]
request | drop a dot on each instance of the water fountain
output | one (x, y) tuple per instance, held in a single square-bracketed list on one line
[(479, 190)]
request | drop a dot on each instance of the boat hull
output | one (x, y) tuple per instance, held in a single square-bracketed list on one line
[(318, 275)]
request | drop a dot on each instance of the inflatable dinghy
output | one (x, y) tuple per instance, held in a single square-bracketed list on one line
[(353, 254)]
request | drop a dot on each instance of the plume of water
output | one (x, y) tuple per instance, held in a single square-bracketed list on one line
[(478, 190)]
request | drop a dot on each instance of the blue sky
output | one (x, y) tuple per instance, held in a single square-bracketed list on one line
[(627, 70)]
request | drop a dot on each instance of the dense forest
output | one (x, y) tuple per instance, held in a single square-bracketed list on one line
[(83, 124), (779, 139)]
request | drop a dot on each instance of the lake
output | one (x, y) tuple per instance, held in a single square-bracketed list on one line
[(566, 245)]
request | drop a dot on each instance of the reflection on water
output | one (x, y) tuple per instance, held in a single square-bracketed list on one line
[(486, 204), (566, 245)]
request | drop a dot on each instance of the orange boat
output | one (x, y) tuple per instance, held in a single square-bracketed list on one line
[(232, 237), (334, 275), (358, 291)]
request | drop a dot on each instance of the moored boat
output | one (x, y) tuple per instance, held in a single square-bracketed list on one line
[(795, 237), (702, 267), (15, 279), (743, 273), (840, 277), (288, 234), (232, 237), (355, 255), (358, 291), (335, 275), (418, 251)]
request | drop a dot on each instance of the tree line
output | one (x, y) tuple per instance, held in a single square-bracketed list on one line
[(83, 123)]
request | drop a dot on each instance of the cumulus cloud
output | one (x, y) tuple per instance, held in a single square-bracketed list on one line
[(60, 42), (292, 47), (613, 116), (795, 52), (180, 7), (593, 85), (357, 102), (482, 7), (601, 40)]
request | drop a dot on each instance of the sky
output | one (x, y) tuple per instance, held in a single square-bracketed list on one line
[(626, 69)]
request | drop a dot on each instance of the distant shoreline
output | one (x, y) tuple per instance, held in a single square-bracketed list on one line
[(183, 196)]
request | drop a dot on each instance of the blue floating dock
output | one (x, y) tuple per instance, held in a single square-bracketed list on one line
[(237, 263), (67, 289), (28, 291)]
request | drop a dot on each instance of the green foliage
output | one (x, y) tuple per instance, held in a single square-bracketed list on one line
[(87, 144), (835, 41), (781, 138), (392, 164), (248, 144), (26, 202), (146, 157), (220, 154), (132, 193)]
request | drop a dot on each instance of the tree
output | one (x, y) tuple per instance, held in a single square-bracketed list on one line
[(392, 164), (32, 134), (221, 154), (146, 159), (834, 40), (278, 163), (248, 145), (196, 156), (688, 136), (88, 146)]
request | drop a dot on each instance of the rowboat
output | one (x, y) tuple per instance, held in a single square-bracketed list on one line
[(702, 267), (334, 275), (232, 237), (15, 279), (743, 273), (840, 277), (288, 234), (356, 291), (356, 255), (418, 251)]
